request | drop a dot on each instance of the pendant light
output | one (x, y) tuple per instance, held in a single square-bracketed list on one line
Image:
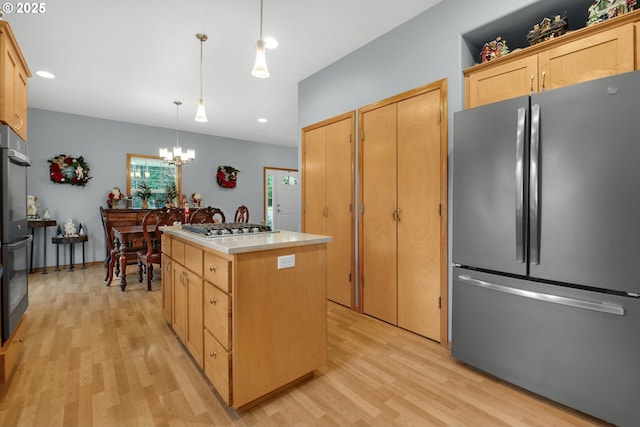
[(201, 115), (176, 156), (260, 69)]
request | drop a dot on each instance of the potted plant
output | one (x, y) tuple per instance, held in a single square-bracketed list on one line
[(172, 192), (144, 192)]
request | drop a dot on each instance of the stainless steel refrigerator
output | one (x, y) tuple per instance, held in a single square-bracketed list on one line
[(546, 244)]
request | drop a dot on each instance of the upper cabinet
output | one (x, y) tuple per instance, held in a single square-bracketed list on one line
[(13, 90), (605, 49)]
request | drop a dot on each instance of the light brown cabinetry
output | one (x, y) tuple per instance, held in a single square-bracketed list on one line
[(248, 313), (328, 182), (167, 278), (11, 349), (602, 50), (403, 191), (187, 318), (13, 94)]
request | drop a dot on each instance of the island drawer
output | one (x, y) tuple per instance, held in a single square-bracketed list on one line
[(217, 366), (165, 245), (217, 270), (177, 251), (193, 259), (217, 314)]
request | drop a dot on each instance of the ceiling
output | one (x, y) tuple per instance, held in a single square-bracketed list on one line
[(129, 60)]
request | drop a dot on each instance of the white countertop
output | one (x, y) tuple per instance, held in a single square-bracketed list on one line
[(250, 242)]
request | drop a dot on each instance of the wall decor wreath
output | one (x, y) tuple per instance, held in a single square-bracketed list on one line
[(65, 169), (227, 176)]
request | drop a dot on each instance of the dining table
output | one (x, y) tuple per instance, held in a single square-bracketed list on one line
[(127, 241)]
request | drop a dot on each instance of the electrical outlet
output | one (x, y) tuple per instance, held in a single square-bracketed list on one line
[(286, 261)]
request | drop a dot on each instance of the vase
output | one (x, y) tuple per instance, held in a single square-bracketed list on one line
[(145, 204)]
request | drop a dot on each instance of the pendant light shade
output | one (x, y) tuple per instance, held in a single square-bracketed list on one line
[(260, 69), (201, 115)]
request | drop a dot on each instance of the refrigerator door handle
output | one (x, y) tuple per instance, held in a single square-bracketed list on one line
[(520, 231), (602, 307), (534, 217)]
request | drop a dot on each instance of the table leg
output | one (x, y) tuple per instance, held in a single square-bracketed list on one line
[(44, 250), (57, 258), (71, 253), (123, 272), (83, 264), (31, 259)]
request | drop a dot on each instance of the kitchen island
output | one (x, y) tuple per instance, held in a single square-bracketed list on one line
[(251, 309)]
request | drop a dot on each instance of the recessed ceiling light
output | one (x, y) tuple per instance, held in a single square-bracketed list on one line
[(262, 120), (45, 74), (270, 43)]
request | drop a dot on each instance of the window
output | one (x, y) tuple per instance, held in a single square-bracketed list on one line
[(157, 174)]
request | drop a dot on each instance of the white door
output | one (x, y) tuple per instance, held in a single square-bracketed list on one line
[(286, 200)]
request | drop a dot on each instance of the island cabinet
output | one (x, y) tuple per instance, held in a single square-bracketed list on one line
[(602, 50), (261, 323), (187, 296), (13, 96)]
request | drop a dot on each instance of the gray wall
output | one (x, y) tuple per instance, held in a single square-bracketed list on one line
[(104, 145)]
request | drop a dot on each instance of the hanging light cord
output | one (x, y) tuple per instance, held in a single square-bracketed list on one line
[(178, 103), (261, 19), (201, 43)]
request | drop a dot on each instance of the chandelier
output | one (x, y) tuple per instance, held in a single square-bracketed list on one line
[(177, 156)]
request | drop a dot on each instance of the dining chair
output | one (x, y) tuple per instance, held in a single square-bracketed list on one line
[(207, 215), (242, 214), (152, 253)]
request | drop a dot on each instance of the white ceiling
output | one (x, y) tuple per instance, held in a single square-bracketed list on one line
[(128, 60)]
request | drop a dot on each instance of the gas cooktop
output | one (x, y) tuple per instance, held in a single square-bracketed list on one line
[(227, 229)]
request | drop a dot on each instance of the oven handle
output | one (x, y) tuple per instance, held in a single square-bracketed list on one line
[(26, 240), (18, 158)]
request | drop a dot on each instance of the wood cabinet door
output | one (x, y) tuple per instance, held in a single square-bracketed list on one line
[(339, 220), (419, 214), (379, 218), (637, 53), (166, 287), (599, 55), (195, 317), (504, 81), (179, 317), (314, 181)]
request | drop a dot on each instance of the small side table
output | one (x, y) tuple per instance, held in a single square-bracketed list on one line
[(63, 240), (41, 223)]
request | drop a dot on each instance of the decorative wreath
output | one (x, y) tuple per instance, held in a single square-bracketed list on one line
[(227, 176), (69, 170)]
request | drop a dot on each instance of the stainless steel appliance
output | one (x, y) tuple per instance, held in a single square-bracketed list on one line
[(227, 229), (546, 244), (14, 233)]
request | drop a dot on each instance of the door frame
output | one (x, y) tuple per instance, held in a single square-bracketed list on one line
[(444, 209), (265, 169)]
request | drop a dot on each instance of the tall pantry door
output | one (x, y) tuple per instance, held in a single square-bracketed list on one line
[(418, 223), (339, 218), (327, 168), (314, 181), (378, 225)]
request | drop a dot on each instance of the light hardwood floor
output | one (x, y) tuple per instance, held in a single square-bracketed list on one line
[(96, 356)]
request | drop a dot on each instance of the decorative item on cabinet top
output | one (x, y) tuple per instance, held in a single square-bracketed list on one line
[(601, 10), (548, 29), (227, 176), (494, 49), (114, 198), (65, 169)]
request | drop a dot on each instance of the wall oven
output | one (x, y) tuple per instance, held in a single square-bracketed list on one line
[(14, 232)]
